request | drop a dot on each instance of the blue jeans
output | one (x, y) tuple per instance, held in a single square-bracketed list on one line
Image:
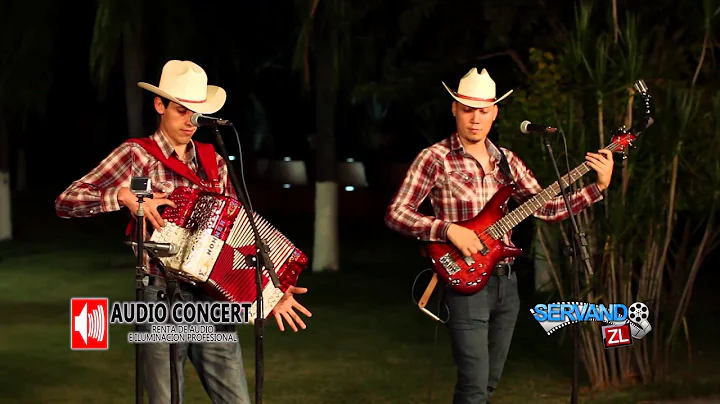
[(219, 365), (481, 329)]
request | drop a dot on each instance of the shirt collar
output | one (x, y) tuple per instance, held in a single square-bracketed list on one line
[(456, 145), (168, 150)]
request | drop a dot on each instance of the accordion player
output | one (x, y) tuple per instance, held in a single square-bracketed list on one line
[(216, 246)]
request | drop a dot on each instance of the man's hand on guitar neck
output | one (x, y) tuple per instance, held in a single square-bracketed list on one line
[(602, 162), (150, 206), (464, 239)]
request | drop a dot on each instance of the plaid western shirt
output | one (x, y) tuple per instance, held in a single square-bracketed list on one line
[(458, 190), (97, 191)]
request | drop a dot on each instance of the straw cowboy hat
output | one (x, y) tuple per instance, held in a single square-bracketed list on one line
[(476, 90), (185, 83)]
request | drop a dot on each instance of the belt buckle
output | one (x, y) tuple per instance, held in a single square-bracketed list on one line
[(507, 267)]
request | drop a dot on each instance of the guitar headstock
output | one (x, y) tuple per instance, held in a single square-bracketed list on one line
[(622, 141), (625, 137)]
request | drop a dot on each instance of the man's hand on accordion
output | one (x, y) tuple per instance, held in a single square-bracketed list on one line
[(285, 309), (150, 206)]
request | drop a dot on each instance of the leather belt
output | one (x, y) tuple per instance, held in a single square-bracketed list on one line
[(501, 270)]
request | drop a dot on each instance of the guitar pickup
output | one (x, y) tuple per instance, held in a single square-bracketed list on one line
[(469, 261), (484, 250)]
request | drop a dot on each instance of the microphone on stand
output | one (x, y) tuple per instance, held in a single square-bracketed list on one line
[(164, 248), (526, 127), (199, 120)]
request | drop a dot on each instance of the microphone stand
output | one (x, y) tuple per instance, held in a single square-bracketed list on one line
[(140, 274), (169, 295), (171, 285), (262, 260), (580, 244)]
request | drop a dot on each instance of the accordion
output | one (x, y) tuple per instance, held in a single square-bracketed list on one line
[(216, 249)]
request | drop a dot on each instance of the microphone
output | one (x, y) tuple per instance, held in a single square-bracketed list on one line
[(165, 248), (526, 127), (199, 120)]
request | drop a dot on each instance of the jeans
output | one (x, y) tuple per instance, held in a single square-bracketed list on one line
[(481, 329), (219, 365)]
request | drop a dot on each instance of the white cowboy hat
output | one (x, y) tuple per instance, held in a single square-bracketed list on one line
[(185, 83), (476, 90)]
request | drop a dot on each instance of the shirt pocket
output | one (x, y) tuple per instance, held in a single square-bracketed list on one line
[(462, 185)]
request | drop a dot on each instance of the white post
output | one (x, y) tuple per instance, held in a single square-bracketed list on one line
[(326, 249), (5, 208)]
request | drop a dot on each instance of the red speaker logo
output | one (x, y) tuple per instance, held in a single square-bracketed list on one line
[(88, 323)]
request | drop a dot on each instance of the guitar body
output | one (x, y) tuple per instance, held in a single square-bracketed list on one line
[(468, 275)]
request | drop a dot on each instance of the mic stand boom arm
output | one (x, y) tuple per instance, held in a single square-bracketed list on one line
[(580, 244), (262, 260)]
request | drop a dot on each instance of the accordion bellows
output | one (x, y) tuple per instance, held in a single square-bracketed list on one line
[(217, 248)]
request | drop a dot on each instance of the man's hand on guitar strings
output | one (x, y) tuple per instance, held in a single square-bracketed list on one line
[(150, 206), (285, 309), (603, 164), (464, 239)]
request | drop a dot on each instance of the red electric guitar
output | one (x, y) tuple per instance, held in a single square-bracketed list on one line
[(469, 275)]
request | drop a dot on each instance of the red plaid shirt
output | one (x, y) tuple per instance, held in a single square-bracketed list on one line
[(97, 191), (459, 189)]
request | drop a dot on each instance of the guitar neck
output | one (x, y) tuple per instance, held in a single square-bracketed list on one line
[(527, 209)]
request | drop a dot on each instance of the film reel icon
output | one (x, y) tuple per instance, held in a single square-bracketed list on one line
[(638, 314)]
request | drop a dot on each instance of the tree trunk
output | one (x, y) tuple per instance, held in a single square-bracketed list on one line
[(133, 69), (5, 206), (326, 246), (21, 170), (5, 199)]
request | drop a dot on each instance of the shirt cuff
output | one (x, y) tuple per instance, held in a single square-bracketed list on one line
[(438, 230), (593, 193), (87, 210), (109, 201)]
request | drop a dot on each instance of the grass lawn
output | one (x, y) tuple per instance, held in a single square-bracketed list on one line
[(366, 343)]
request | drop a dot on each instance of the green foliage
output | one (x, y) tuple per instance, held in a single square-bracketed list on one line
[(542, 100), (662, 198)]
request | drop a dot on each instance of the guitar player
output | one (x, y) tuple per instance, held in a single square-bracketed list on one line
[(460, 174)]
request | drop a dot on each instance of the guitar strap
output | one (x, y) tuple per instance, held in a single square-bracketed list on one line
[(504, 166), (206, 156)]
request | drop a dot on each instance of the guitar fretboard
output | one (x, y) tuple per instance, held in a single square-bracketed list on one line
[(512, 219)]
